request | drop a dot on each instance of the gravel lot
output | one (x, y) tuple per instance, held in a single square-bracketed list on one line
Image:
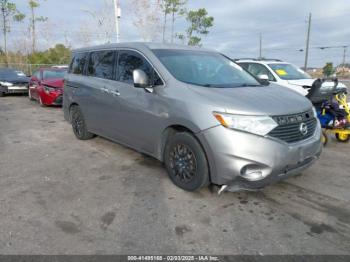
[(59, 195)]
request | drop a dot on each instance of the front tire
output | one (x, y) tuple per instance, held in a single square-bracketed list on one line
[(41, 102), (186, 162), (324, 138), (78, 124), (30, 96), (344, 138)]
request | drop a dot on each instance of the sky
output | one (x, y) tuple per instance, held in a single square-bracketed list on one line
[(237, 25)]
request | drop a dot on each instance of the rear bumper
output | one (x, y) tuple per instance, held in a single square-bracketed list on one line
[(232, 154)]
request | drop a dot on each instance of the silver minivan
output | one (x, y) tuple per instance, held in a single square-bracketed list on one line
[(194, 109)]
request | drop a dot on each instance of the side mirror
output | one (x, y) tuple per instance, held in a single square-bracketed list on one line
[(264, 79), (140, 79)]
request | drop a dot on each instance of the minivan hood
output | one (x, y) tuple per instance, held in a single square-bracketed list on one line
[(261, 100)]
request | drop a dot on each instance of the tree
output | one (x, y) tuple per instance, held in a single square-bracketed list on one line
[(200, 22), (8, 11), (146, 19), (328, 69), (166, 10), (56, 55), (175, 8), (33, 4), (103, 22)]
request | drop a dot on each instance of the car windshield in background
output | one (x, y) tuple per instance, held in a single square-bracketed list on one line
[(204, 68), (289, 72), (8, 73), (53, 74)]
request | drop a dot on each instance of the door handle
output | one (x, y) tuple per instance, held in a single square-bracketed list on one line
[(105, 90), (115, 93)]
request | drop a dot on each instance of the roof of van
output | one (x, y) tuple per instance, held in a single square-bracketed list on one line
[(140, 46)]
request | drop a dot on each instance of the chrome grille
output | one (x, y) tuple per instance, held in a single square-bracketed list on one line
[(20, 83), (288, 128)]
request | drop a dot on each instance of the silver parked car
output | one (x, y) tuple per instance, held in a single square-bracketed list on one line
[(208, 120)]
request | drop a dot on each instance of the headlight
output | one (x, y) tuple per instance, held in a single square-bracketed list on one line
[(260, 125), (314, 111), (6, 84), (48, 89)]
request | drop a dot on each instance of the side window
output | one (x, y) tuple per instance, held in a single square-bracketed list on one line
[(244, 65), (128, 61), (258, 69), (37, 75), (78, 64), (101, 64)]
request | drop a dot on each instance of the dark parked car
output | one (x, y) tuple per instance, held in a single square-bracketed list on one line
[(13, 81)]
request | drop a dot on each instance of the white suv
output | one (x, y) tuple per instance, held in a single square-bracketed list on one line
[(284, 74)]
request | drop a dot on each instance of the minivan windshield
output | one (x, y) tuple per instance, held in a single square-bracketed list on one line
[(208, 69), (288, 71)]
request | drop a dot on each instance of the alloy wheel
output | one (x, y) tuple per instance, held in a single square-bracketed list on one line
[(183, 163)]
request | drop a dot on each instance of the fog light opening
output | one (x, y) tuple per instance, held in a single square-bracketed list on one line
[(252, 173)]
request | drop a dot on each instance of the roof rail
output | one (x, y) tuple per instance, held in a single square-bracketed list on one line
[(258, 59)]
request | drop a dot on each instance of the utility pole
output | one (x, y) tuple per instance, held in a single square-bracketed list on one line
[(117, 14), (307, 43), (344, 54), (260, 46), (344, 57)]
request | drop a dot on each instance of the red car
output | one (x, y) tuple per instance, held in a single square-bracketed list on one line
[(46, 86)]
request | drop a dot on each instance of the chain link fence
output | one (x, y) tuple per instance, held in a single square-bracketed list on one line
[(28, 69)]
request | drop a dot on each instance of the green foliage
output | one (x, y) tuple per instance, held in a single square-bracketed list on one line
[(9, 10), (57, 55), (33, 4), (200, 22), (19, 17), (175, 8), (328, 69)]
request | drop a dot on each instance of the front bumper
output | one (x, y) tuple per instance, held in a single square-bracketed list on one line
[(14, 89), (231, 152), (52, 98)]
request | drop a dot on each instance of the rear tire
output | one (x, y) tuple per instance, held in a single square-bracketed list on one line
[(2, 94), (186, 162), (78, 124)]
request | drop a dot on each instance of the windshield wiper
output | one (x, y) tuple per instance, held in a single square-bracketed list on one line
[(249, 85)]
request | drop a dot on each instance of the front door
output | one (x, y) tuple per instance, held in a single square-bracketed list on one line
[(137, 120)]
